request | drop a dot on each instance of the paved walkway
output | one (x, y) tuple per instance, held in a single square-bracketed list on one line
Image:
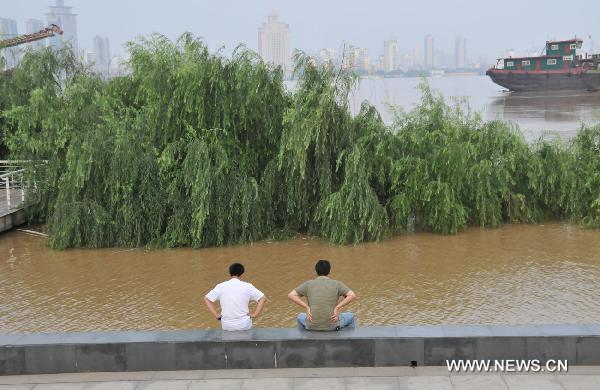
[(422, 378)]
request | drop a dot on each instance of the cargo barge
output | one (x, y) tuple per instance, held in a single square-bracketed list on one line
[(563, 68)]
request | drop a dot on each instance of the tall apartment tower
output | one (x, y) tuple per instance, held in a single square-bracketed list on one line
[(349, 57), (274, 43), (327, 56), (62, 16), (102, 56), (33, 26), (8, 29), (363, 61), (460, 52), (428, 52), (418, 58), (390, 48)]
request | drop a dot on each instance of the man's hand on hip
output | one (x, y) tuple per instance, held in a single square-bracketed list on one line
[(336, 315)]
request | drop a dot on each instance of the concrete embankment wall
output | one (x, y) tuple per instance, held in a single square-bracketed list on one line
[(10, 220), (282, 348)]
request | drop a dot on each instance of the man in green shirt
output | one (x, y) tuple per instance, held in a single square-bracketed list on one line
[(322, 295)]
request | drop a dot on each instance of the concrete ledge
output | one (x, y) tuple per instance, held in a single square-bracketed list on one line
[(12, 219), (288, 348)]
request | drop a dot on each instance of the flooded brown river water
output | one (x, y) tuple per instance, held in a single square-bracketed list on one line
[(511, 275)]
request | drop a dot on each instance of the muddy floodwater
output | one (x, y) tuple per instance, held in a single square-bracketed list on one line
[(512, 275)]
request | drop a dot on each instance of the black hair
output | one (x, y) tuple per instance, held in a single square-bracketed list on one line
[(236, 269), (323, 267)]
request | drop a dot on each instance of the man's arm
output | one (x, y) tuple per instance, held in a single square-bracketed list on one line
[(350, 296), (295, 297), (259, 306), (211, 308)]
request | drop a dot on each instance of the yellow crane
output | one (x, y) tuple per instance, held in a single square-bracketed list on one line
[(48, 32)]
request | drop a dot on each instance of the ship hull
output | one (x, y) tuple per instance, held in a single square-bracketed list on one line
[(546, 81)]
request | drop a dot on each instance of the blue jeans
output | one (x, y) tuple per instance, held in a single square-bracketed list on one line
[(346, 319)]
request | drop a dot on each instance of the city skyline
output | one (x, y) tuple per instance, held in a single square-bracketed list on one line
[(331, 26), (274, 46), (98, 56)]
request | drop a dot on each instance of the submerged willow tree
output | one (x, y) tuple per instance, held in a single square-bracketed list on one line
[(193, 148), (449, 169), (170, 155)]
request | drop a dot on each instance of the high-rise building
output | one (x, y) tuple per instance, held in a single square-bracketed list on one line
[(418, 58), (443, 59), (102, 56), (349, 57), (428, 52), (88, 57), (460, 52), (62, 16), (363, 61), (380, 63), (274, 43), (33, 26), (115, 68), (390, 48), (8, 29), (327, 56), (356, 58)]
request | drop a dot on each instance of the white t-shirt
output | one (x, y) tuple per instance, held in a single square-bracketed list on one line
[(234, 296)]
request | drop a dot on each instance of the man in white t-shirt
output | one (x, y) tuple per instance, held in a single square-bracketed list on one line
[(234, 297)]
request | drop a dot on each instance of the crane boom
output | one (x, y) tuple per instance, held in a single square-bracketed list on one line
[(49, 31)]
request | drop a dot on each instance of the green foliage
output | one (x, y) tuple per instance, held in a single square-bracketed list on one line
[(448, 169), (197, 149), (550, 177), (317, 128), (584, 194), (224, 200), (37, 77), (354, 213), (171, 155)]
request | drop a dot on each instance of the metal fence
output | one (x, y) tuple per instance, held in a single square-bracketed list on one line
[(12, 185)]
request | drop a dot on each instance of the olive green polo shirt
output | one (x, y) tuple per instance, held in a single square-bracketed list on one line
[(323, 296)]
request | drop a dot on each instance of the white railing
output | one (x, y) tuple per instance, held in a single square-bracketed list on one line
[(12, 186), (7, 166), (14, 191)]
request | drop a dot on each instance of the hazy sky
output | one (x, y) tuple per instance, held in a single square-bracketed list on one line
[(488, 26)]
